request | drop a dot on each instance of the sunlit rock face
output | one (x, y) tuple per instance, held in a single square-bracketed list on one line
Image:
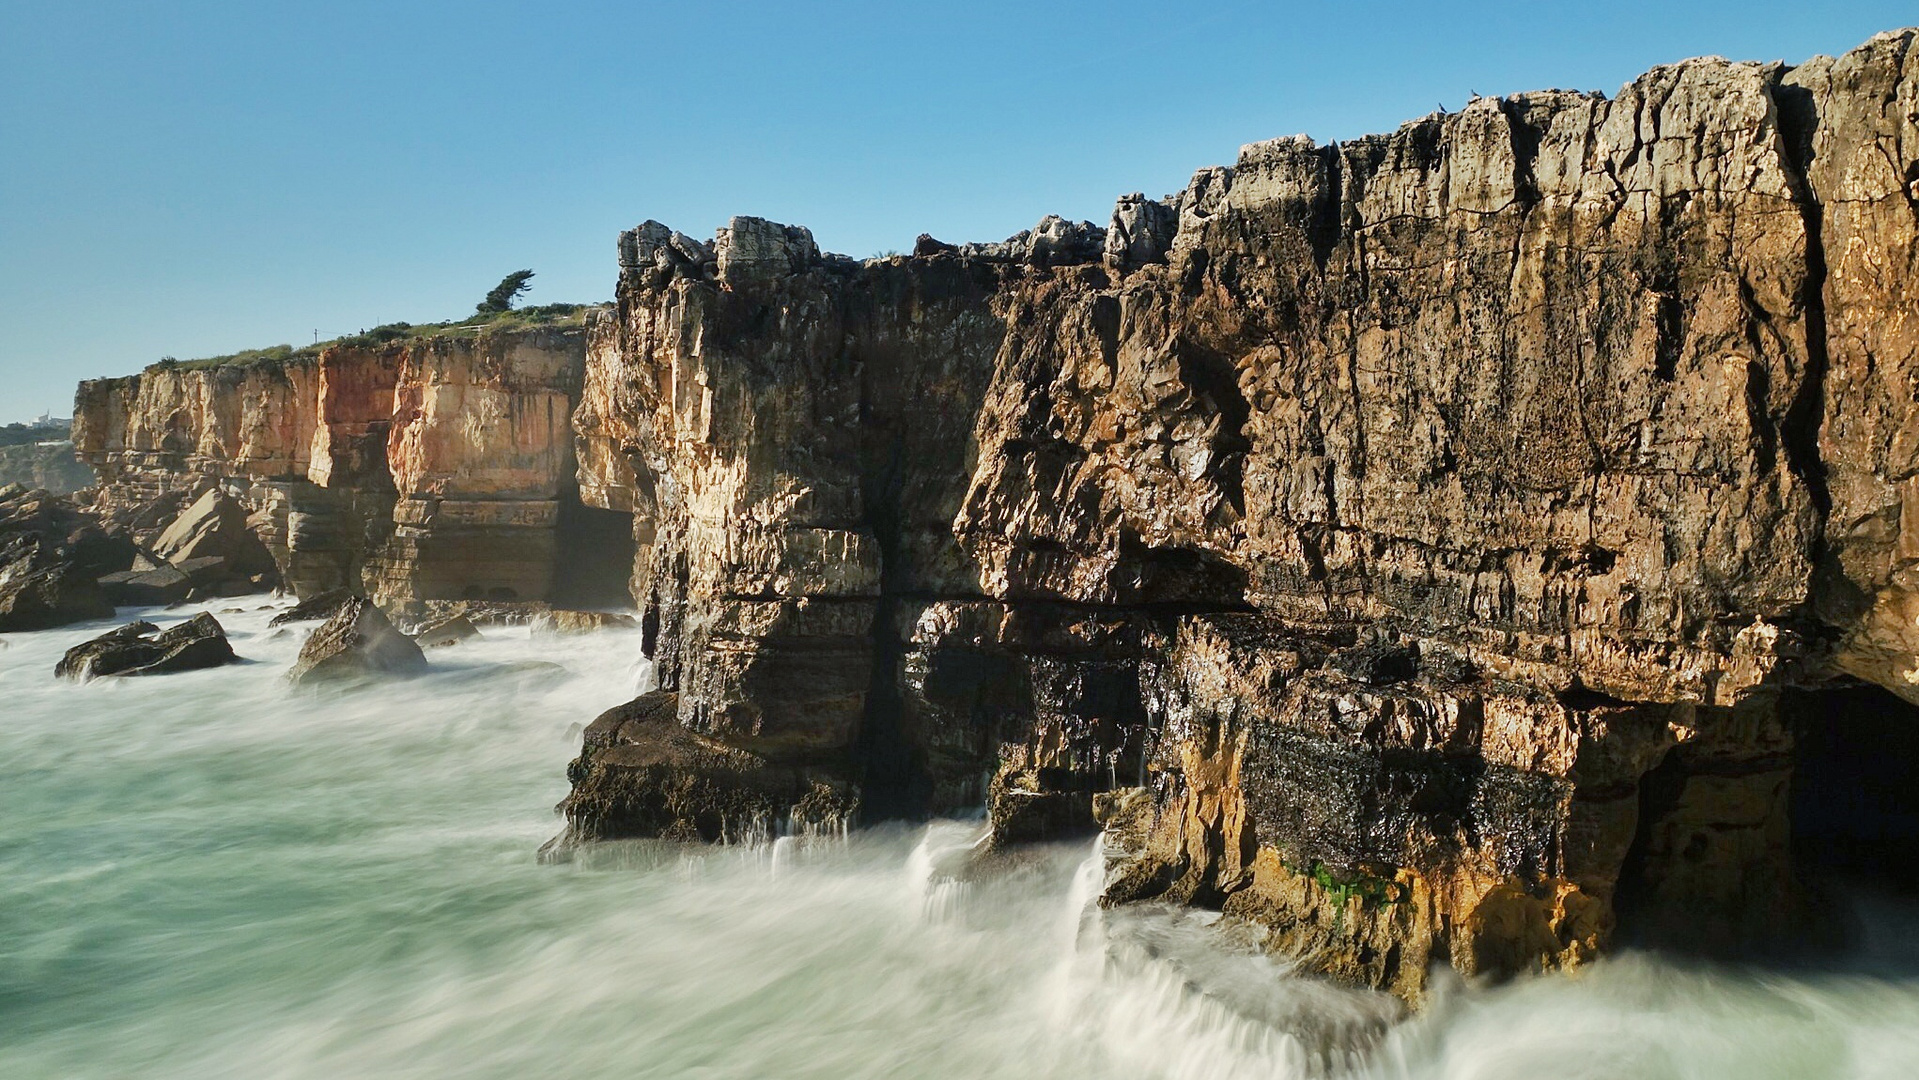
[(424, 469), (1407, 545), (481, 455), (1856, 124), (157, 439)]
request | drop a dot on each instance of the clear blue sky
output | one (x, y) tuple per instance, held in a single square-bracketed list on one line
[(193, 178)]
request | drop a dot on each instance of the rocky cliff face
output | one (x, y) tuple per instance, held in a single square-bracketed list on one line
[(48, 466), (1448, 546), (426, 469)]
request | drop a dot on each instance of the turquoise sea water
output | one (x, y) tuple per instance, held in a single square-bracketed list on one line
[(211, 875)]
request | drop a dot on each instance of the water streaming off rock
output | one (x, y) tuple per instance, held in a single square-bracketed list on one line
[(210, 875)]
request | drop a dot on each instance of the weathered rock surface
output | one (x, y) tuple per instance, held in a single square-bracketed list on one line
[(213, 527), (38, 599), (641, 774), (436, 468), (357, 642), (141, 648), (444, 632), (142, 588), (581, 622), (1425, 548), (314, 608), (481, 457), (51, 555)]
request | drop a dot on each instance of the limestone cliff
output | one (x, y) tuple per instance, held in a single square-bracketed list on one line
[(1454, 545), (49, 466), (429, 468)]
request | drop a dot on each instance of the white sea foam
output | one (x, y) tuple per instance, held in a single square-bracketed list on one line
[(208, 875)]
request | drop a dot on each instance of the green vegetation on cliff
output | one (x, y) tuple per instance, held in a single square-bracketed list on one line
[(554, 315), (505, 293)]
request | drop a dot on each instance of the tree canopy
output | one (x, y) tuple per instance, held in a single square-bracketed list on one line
[(507, 291)]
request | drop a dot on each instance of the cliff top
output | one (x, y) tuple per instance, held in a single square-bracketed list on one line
[(548, 315)]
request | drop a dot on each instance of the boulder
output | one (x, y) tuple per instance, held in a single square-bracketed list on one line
[(41, 599), (448, 631), (110, 652), (581, 622), (755, 249), (1059, 242), (209, 570), (51, 552), (200, 642), (313, 608), (927, 246), (641, 774), (693, 253), (641, 246), (1142, 231), (357, 642), (140, 648), (214, 526), (146, 588)]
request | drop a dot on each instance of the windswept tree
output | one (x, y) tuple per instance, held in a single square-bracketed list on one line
[(507, 291)]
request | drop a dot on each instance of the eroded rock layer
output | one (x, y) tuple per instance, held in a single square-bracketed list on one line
[(1424, 547), (426, 469)]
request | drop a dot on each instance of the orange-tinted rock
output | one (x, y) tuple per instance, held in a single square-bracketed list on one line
[(481, 455), (426, 468)]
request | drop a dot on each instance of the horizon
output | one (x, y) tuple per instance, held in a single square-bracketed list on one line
[(285, 177)]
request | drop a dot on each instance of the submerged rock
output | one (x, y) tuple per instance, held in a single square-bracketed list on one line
[(535, 670), (357, 642), (141, 648), (480, 613)]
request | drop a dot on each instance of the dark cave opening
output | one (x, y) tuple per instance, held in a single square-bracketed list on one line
[(1751, 839), (1855, 787), (593, 556), (1648, 912)]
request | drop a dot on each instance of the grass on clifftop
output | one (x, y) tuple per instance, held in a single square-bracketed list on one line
[(517, 319)]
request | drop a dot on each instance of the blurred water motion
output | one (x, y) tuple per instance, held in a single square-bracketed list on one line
[(205, 875)]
